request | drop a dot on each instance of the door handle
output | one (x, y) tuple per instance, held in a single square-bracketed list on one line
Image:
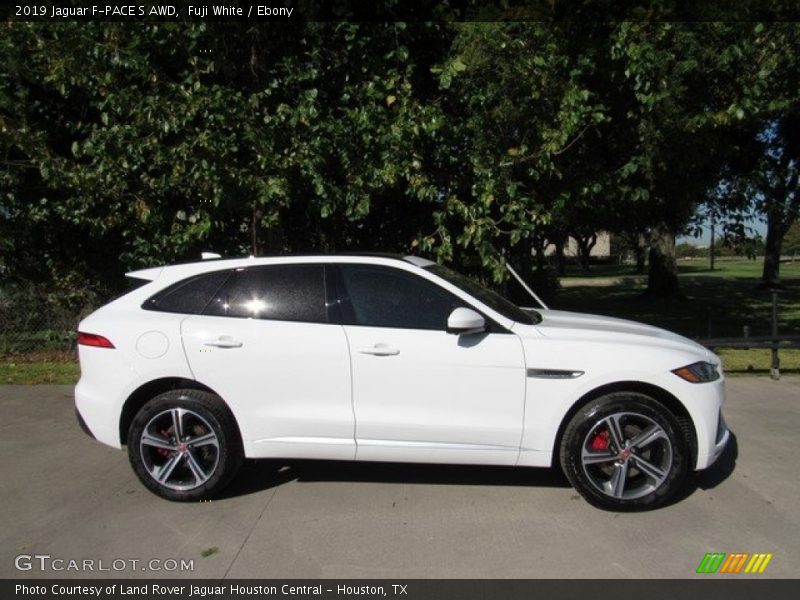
[(224, 341), (379, 350)]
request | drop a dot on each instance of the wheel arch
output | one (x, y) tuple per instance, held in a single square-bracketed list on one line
[(660, 395), (147, 391)]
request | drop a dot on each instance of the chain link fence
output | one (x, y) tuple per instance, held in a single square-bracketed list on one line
[(36, 321)]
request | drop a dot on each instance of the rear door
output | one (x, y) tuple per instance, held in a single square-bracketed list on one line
[(267, 345)]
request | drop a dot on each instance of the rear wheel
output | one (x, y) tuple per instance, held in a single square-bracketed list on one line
[(184, 445), (625, 451)]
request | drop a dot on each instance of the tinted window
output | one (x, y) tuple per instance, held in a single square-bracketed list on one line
[(386, 297), (488, 297), (279, 292), (189, 296)]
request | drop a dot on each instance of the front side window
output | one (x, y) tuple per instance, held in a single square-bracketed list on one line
[(276, 292), (376, 296), (189, 296), (491, 299)]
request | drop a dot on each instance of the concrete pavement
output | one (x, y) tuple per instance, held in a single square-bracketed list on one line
[(69, 497)]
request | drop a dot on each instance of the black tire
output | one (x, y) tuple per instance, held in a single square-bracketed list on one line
[(190, 472), (650, 474)]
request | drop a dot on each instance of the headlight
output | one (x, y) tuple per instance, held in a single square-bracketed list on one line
[(699, 372)]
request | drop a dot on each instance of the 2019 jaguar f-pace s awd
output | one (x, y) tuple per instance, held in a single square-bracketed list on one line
[(387, 358)]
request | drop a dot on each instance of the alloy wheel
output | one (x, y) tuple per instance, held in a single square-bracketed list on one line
[(626, 455), (179, 449)]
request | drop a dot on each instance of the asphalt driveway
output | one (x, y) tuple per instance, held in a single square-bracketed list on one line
[(68, 497)]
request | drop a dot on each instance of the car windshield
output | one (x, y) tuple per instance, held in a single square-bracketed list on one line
[(491, 299)]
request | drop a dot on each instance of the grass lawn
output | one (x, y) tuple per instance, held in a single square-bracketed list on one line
[(38, 372), (757, 361), (724, 267), (48, 366)]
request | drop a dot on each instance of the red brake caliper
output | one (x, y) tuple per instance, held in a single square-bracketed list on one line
[(163, 451), (600, 441)]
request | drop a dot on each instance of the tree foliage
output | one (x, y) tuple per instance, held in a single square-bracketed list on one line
[(125, 146), (764, 115), (145, 144)]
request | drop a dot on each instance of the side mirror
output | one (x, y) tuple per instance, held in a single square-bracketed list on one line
[(465, 320)]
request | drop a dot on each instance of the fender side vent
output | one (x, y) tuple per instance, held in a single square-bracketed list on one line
[(554, 373)]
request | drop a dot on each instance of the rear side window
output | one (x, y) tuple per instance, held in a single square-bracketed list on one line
[(189, 296), (277, 292)]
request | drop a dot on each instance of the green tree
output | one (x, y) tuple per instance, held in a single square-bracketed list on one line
[(129, 146), (674, 74), (764, 116), (143, 144), (516, 105)]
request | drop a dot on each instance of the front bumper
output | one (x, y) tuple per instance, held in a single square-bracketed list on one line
[(704, 402), (722, 439)]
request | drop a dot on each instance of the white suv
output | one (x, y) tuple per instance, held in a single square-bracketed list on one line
[(387, 358)]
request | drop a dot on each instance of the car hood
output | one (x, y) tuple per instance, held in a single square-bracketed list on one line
[(580, 326)]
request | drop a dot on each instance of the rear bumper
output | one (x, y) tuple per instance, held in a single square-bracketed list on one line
[(83, 424), (97, 414)]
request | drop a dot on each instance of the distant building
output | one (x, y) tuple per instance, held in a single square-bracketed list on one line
[(602, 249)]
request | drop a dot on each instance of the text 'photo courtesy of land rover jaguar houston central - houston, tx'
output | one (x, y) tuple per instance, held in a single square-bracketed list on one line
[(388, 358)]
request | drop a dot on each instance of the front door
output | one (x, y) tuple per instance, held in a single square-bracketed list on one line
[(421, 394)]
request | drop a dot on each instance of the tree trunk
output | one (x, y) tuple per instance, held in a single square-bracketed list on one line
[(635, 242), (711, 248), (254, 225), (770, 276), (585, 245), (561, 263), (638, 252), (558, 238), (539, 243), (662, 277)]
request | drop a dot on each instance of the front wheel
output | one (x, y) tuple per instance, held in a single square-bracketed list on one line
[(184, 445), (625, 451)]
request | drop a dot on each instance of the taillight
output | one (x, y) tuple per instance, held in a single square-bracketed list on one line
[(92, 339)]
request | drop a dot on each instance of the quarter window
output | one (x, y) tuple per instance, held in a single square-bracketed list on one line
[(189, 296), (277, 292), (384, 297)]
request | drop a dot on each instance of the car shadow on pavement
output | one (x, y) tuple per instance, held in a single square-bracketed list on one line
[(258, 475), (710, 478)]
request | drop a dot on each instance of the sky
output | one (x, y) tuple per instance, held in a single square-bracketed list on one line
[(704, 240)]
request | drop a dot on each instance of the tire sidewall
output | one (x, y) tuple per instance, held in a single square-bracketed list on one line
[(205, 405), (588, 417)]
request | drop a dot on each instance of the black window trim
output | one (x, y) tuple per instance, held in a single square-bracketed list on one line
[(337, 301), (332, 312), (176, 285), (344, 306), (333, 301)]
